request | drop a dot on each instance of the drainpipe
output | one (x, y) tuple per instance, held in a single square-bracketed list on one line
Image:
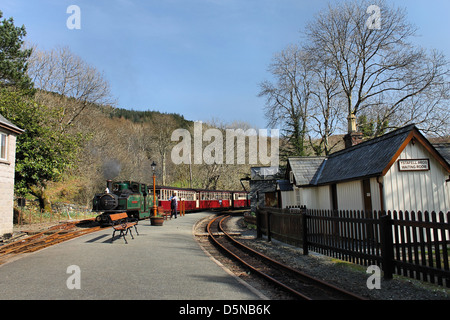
[(382, 197)]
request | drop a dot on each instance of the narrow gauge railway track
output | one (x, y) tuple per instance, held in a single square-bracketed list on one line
[(296, 283), (46, 238)]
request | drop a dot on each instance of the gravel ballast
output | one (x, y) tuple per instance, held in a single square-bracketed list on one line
[(343, 274)]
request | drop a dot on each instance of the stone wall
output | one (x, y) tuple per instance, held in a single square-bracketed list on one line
[(7, 187)]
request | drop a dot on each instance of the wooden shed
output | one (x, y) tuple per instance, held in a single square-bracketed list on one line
[(400, 170)]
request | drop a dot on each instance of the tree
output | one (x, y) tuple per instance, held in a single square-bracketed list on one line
[(287, 100), (13, 58), (327, 105), (43, 153), (63, 72), (160, 142), (379, 68)]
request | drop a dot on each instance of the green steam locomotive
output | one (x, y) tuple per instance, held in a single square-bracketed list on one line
[(131, 197)]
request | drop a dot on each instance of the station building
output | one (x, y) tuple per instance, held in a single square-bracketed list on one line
[(400, 170), (8, 134)]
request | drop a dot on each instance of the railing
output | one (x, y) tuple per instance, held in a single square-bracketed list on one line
[(412, 244)]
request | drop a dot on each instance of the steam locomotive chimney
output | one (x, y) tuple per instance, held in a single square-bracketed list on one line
[(109, 185)]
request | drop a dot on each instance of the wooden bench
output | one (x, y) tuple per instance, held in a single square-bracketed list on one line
[(164, 213), (122, 223)]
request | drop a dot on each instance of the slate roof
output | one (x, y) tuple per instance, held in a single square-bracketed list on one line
[(305, 169), (444, 150), (5, 123), (368, 159)]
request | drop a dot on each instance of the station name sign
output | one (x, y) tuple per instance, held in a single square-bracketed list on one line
[(414, 165)]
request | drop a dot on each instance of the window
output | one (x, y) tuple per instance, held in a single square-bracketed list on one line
[(3, 140)]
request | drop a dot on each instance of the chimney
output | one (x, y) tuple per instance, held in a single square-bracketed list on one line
[(353, 137), (109, 185), (351, 123)]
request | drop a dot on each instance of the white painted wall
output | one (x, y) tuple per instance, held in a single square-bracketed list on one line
[(417, 190), (350, 195)]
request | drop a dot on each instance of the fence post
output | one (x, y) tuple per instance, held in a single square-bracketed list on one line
[(258, 224), (269, 237), (305, 233), (387, 246)]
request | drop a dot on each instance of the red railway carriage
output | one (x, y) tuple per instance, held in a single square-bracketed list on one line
[(196, 199), (240, 199), (189, 196), (210, 199)]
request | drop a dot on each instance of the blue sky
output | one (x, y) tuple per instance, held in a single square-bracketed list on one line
[(203, 59)]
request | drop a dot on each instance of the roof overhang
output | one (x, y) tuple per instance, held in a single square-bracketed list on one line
[(416, 136)]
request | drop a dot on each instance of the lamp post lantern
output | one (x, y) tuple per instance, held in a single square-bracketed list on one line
[(155, 208)]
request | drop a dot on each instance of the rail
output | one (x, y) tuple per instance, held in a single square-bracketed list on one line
[(297, 283), (46, 238)]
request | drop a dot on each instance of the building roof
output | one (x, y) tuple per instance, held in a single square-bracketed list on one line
[(368, 159), (8, 125), (284, 185), (443, 149), (306, 169), (266, 173)]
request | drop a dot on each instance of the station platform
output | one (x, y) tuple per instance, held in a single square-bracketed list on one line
[(162, 263)]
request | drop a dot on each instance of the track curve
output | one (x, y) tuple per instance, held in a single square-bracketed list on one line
[(296, 283)]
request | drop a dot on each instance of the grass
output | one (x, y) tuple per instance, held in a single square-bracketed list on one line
[(30, 215)]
